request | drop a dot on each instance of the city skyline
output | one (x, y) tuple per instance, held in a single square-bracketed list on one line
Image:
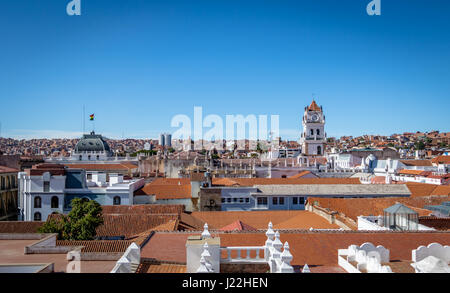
[(137, 66)]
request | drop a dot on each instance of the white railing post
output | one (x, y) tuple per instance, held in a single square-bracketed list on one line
[(286, 258), (268, 245), (205, 233)]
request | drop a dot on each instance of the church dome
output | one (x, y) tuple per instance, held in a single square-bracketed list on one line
[(92, 143)]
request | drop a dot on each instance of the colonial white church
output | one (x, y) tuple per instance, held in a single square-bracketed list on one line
[(313, 137)]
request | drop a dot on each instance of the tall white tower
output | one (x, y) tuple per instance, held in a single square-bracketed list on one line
[(313, 138)]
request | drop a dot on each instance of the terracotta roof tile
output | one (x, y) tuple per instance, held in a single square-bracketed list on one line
[(143, 209), (4, 169), (411, 172), (100, 167), (314, 248), (426, 163), (129, 225), (238, 226), (260, 219), (441, 160), (160, 268), (97, 245), (314, 106), (436, 223), (354, 207), (20, 227), (301, 174)]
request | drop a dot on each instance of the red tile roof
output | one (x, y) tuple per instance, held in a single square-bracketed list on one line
[(426, 163), (314, 107), (436, 223), (313, 248), (441, 160), (20, 227), (130, 225), (97, 245), (301, 174), (4, 169), (238, 226), (411, 172), (160, 268), (165, 188), (354, 207), (260, 219), (100, 167), (143, 209)]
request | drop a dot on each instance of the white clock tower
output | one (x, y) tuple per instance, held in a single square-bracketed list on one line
[(313, 137)]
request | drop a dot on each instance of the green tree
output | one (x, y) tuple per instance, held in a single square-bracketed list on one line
[(80, 224), (419, 145)]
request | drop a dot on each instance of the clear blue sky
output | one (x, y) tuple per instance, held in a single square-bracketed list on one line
[(137, 63)]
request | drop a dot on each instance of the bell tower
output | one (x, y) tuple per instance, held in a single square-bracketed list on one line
[(313, 137)]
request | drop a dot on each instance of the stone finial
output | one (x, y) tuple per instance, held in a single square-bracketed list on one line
[(202, 268), (205, 233), (277, 243), (286, 256), (306, 269), (270, 233), (206, 252)]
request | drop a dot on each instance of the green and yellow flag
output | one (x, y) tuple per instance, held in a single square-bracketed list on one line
[(91, 117)]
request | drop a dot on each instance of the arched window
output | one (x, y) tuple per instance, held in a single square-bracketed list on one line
[(312, 131), (37, 202), (116, 200), (55, 202), (319, 150), (37, 217), (318, 131)]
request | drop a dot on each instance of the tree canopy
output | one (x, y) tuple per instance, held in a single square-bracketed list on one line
[(80, 224)]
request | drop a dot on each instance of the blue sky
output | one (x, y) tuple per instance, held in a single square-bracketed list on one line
[(138, 63)]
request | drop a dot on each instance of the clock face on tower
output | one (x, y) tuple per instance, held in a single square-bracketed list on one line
[(315, 117)]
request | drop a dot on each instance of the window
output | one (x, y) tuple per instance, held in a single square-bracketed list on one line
[(262, 200), (318, 132), (116, 200), (247, 200), (229, 200), (284, 176), (281, 200), (241, 200), (274, 200), (80, 158), (319, 150), (3, 183), (234, 199), (302, 200), (37, 202), (312, 131), (295, 200), (55, 202), (37, 217), (46, 186), (223, 200)]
